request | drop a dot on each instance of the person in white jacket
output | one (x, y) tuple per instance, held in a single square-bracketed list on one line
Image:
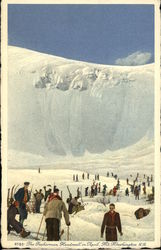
[(53, 214)]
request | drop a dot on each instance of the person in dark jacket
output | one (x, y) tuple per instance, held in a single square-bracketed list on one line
[(136, 192), (47, 193), (12, 223), (99, 187), (86, 191), (22, 197), (127, 192), (38, 198), (111, 222)]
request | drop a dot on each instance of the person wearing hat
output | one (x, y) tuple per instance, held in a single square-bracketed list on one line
[(53, 214), (22, 197)]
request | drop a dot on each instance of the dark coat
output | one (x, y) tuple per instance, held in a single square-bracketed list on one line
[(19, 195), (11, 219), (111, 223)]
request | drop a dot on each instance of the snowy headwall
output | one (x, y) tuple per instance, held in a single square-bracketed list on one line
[(60, 106)]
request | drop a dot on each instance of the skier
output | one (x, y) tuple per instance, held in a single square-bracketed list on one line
[(47, 193), (144, 189), (132, 188), (73, 177), (127, 192), (104, 189), (153, 190), (98, 177), (111, 221), (55, 187), (86, 191), (112, 174), (136, 192), (77, 177), (96, 189), (127, 180), (53, 213), (12, 223), (92, 190), (151, 177), (83, 176), (38, 198), (22, 197), (99, 187), (75, 204), (114, 191), (78, 192), (118, 184), (88, 176), (69, 203)]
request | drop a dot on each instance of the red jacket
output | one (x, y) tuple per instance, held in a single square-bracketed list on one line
[(54, 196)]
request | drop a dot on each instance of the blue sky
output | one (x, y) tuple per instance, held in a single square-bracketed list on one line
[(106, 34)]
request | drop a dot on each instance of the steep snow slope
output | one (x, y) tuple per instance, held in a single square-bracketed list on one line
[(64, 107)]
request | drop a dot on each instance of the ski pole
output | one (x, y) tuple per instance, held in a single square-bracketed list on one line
[(68, 233), (44, 234), (39, 227)]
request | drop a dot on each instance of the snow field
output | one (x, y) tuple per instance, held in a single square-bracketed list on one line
[(86, 224), (69, 108)]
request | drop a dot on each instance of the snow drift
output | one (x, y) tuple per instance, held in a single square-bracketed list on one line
[(65, 107)]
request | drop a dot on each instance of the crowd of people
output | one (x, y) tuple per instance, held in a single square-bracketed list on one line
[(25, 201)]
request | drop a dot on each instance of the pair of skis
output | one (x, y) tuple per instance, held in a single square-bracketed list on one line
[(10, 197)]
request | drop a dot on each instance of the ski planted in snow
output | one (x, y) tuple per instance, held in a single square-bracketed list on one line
[(15, 190), (8, 199)]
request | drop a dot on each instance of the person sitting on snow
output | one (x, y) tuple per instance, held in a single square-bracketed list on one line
[(12, 223), (75, 204)]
